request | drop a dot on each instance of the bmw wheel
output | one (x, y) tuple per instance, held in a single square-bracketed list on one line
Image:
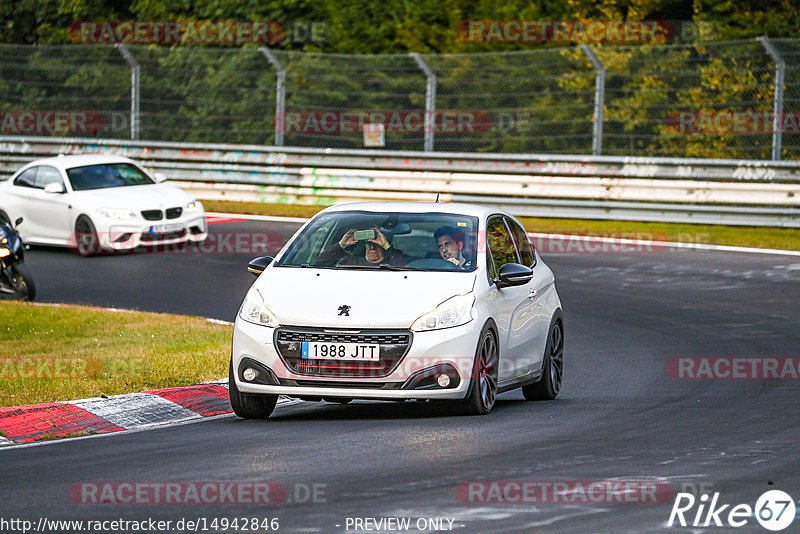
[(552, 367), (87, 241)]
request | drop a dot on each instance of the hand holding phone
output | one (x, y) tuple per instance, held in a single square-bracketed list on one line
[(364, 235)]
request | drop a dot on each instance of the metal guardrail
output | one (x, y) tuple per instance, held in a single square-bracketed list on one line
[(736, 192)]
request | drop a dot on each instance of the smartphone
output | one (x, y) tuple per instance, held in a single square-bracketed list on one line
[(363, 235)]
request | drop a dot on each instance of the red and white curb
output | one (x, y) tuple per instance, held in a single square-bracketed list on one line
[(101, 415)]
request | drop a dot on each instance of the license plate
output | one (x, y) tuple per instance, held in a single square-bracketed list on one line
[(313, 350), (166, 228)]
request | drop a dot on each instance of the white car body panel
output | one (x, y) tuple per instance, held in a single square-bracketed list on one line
[(301, 298)]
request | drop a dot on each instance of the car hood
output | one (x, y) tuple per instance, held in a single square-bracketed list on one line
[(136, 197), (377, 299)]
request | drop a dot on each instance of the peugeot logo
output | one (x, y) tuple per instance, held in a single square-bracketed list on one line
[(344, 310)]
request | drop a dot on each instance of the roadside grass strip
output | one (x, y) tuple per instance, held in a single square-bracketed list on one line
[(54, 353)]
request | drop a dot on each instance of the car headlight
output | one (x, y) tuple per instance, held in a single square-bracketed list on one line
[(116, 213), (455, 311), (192, 207), (4, 252), (254, 310)]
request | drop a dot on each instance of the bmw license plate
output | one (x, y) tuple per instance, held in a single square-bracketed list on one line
[(165, 228), (313, 350)]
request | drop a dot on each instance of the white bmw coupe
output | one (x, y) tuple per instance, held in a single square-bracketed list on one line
[(95, 202), (399, 301)]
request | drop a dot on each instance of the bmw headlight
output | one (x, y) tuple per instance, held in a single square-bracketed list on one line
[(254, 310), (192, 207), (454, 311), (116, 213)]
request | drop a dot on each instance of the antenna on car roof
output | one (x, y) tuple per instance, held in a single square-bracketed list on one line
[(437, 198)]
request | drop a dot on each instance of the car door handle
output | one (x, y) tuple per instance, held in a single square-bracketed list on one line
[(532, 293)]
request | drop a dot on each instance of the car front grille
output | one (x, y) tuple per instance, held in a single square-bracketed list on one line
[(174, 213), (394, 345), (152, 215)]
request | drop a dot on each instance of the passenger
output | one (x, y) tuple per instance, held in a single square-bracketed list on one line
[(451, 246), (378, 251)]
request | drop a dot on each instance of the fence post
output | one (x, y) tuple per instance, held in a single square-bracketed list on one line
[(777, 107), (599, 99), (430, 100), (134, 89), (280, 95)]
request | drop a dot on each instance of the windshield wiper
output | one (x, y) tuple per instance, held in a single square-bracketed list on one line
[(393, 268)]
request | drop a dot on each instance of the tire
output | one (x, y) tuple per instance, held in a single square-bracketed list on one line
[(482, 391), (22, 281), (249, 406), (552, 367), (87, 243)]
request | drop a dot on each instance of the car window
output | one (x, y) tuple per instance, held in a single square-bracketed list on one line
[(500, 243), (105, 175), (491, 270), (47, 175), (27, 178), (411, 242), (523, 243)]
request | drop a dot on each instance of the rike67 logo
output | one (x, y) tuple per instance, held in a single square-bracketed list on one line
[(774, 510)]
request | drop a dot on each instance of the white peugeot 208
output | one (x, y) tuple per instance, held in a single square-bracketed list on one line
[(399, 301)]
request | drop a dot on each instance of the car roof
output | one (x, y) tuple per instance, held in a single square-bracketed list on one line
[(458, 208), (79, 160)]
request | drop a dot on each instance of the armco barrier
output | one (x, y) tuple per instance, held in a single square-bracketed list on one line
[(737, 192)]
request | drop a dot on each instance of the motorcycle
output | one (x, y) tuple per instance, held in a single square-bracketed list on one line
[(14, 276)]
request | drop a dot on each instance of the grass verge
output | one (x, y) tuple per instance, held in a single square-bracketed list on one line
[(65, 353), (741, 236)]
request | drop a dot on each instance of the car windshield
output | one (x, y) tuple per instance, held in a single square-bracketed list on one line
[(105, 175), (392, 241)]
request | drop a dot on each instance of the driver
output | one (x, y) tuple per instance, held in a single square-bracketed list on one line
[(451, 246), (378, 251)]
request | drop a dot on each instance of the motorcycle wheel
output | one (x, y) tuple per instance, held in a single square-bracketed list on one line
[(22, 281)]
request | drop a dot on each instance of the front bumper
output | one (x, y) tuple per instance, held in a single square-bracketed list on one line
[(450, 351), (125, 235)]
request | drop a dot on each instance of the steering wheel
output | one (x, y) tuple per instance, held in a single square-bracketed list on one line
[(432, 263)]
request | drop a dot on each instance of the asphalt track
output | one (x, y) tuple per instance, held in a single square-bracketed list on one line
[(620, 417)]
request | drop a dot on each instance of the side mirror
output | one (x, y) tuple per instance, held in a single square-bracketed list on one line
[(160, 177), (513, 274), (18, 222), (257, 265), (54, 187)]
